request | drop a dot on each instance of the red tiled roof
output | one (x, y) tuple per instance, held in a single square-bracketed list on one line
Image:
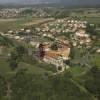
[(56, 54)]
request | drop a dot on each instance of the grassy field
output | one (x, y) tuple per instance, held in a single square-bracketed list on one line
[(78, 70), (96, 59), (12, 24), (91, 15), (15, 24), (92, 20), (5, 70)]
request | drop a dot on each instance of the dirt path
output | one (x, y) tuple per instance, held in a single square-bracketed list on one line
[(40, 21)]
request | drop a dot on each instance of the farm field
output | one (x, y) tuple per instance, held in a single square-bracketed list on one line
[(91, 15), (92, 20), (15, 24)]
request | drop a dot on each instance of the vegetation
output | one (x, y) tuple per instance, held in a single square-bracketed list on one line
[(5, 41), (46, 87), (92, 83), (27, 12), (20, 23), (3, 87), (54, 46), (90, 29), (22, 77), (96, 60)]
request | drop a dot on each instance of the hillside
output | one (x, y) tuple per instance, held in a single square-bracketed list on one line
[(5, 41)]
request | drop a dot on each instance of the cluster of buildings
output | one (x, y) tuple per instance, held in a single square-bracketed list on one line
[(56, 30), (63, 25), (57, 57), (11, 12), (16, 12), (76, 30), (81, 38), (39, 12)]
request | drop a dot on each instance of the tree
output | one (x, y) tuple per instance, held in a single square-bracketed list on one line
[(92, 83), (65, 87), (16, 56), (13, 61), (20, 50), (27, 86), (90, 29), (54, 46), (3, 87)]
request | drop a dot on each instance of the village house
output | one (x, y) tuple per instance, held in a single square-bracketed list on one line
[(98, 50)]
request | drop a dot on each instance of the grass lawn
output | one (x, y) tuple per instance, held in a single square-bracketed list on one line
[(96, 59), (32, 68), (5, 70), (78, 70)]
